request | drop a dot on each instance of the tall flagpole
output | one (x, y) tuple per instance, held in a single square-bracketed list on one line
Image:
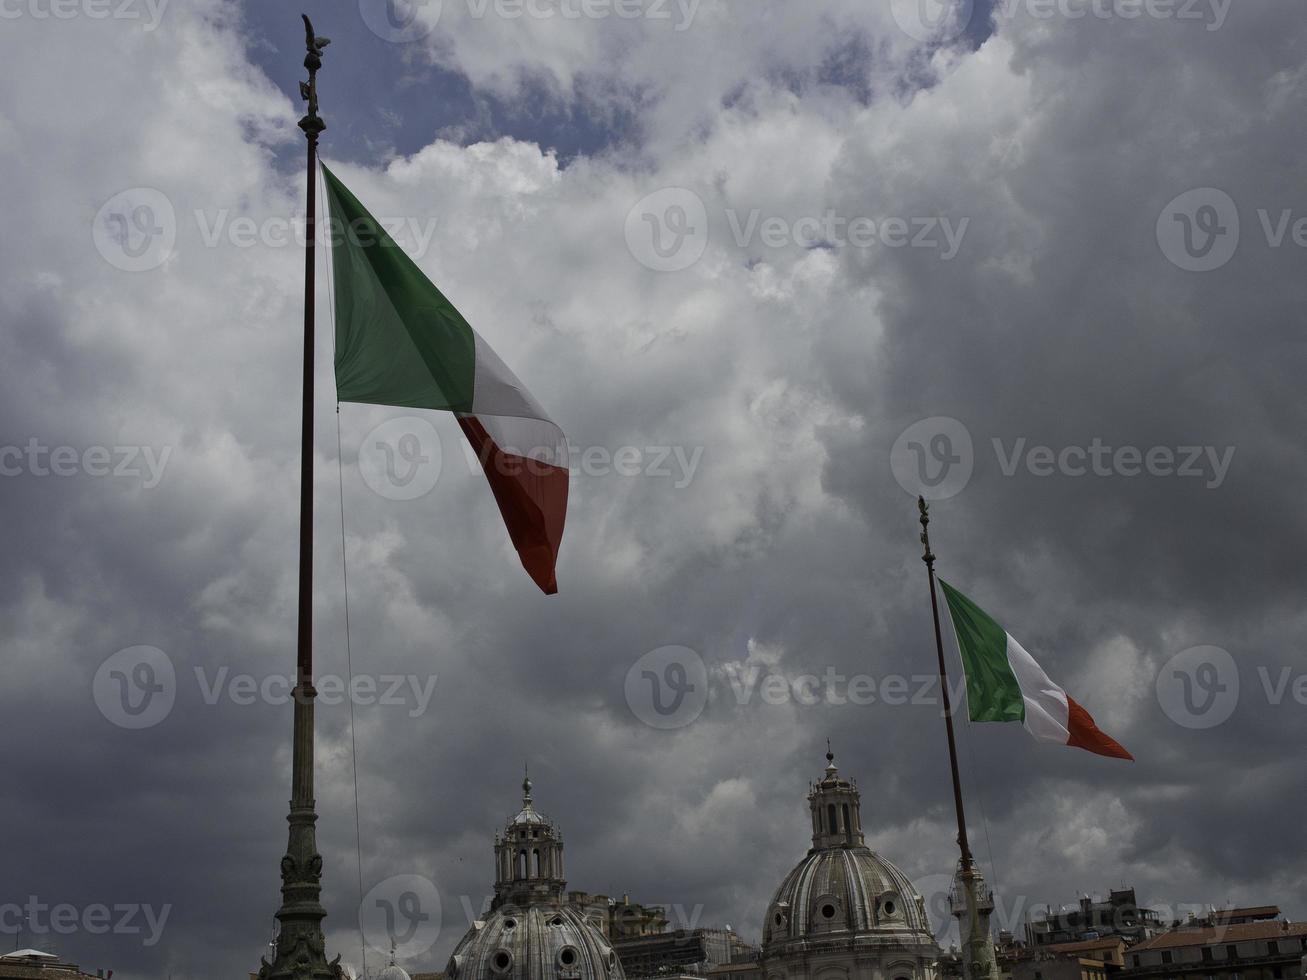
[(300, 952), (971, 900)]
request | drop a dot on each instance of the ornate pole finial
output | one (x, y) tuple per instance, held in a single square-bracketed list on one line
[(526, 785), (924, 508), (312, 123), (830, 756)]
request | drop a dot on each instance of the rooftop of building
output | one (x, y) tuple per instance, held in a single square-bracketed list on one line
[(1251, 912), (1215, 935), (22, 963), (1085, 945)]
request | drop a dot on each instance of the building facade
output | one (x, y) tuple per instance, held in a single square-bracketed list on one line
[(1118, 915), (1248, 950)]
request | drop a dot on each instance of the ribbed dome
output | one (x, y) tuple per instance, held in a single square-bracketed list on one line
[(538, 942), (837, 891), (843, 899), (393, 972)]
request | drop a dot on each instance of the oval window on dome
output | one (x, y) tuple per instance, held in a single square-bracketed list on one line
[(568, 957), (828, 911), (890, 908), (510, 923), (501, 961), (556, 920)]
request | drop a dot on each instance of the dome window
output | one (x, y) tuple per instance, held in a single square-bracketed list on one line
[(556, 920), (510, 923), (501, 961), (568, 957), (889, 905), (828, 911)]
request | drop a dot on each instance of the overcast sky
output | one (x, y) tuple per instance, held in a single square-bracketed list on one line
[(774, 267)]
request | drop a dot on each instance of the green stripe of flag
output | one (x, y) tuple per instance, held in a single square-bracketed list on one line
[(992, 690), (399, 341)]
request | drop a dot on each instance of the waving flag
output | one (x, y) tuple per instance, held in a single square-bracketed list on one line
[(400, 342), (1004, 683)]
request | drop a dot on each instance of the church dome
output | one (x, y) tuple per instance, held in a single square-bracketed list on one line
[(393, 972), (840, 891), (843, 895), (532, 932), (536, 942)]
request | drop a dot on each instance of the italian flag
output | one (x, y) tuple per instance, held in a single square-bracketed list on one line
[(1005, 684), (400, 342)]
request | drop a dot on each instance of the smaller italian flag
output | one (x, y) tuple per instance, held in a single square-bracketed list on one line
[(1005, 684)]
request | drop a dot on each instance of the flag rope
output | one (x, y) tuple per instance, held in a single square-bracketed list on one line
[(344, 574)]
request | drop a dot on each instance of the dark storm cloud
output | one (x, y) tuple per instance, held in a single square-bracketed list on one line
[(790, 552)]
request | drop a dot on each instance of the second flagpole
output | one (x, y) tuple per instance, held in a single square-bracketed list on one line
[(971, 901)]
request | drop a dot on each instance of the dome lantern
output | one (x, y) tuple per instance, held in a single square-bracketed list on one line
[(836, 808), (528, 857)]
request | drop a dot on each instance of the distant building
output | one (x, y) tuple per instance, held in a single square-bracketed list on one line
[(1109, 950), (1252, 949), (684, 950), (631, 920), (32, 964), (1238, 917), (746, 969), (1060, 967), (1119, 915), (1089, 959)]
